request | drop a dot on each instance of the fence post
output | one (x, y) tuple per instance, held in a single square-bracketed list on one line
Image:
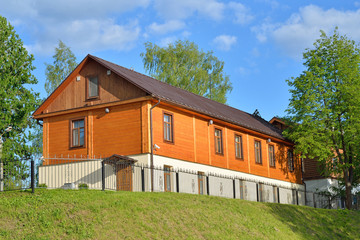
[(142, 180), (177, 182), (1, 176), (314, 200), (234, 188), (103, 175), (297, 197), (32, 176), (207, 185)]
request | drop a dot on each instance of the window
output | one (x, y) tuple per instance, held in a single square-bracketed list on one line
[(77, 133), (218, 141), (271, 155), (93, 87), (238, 147), (167, 178), (201, 182), (258, 157), (168, 128), (291, 160)]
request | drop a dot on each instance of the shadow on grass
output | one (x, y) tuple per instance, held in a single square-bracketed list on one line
[(311, 223)]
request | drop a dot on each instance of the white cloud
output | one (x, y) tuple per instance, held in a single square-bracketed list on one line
[(166, 41), (169, 26), (262, 31), (303, 28), (176, 9), (225, 42), (186, 34), (242, 13), (86, 30)]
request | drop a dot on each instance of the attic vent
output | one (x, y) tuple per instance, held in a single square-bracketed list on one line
[(78, 78)]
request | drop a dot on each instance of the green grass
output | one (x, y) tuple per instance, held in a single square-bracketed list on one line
[(88, 214)]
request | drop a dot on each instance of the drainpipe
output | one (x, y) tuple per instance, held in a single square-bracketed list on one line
[(152, 148)]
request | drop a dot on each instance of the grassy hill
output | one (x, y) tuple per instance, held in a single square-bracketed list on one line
[(87, 214)]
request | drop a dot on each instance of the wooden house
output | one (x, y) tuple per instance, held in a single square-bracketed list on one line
[(102, 109)]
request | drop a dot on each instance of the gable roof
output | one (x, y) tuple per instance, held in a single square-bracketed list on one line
[(178, 96)]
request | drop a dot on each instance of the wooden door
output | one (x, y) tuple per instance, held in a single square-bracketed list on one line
[(123, 177)]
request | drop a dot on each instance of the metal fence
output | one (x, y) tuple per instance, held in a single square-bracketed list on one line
[(17, 174), (76, 173)]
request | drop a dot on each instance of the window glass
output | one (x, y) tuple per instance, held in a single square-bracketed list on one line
[(78, 133), (271, 156), (238, 146), (218, 141), (93, 87), (168, 134), (291, 161), (167, 178), (201, 182), (258, 158)]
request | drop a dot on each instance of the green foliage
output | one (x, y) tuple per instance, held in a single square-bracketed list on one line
[(64, 63), (42, 185), (83, 186), (183, 65), (137, 215), (325, 107), (18, 100)]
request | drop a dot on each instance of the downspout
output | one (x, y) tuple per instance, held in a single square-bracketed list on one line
[(152, 147)]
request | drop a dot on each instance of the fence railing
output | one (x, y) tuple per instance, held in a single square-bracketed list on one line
[(17, 175), (75, 173)]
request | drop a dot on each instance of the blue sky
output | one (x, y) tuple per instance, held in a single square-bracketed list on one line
[(260, 41)]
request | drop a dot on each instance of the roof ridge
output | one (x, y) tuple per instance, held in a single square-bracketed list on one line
[(268, 123), (187, 99), (171, 85)]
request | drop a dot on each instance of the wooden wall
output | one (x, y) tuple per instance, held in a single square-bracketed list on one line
[(194, 142), (312, 169), (116, 132), (125, 131), (111, 88)]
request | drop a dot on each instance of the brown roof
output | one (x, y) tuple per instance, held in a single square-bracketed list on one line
[(171, 94), (119, 159)]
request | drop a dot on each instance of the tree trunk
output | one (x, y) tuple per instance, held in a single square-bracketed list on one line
[(348, 197)]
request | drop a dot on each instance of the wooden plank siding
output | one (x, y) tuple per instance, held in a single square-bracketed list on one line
[(116, 132), (312, 169), (125, 130), (201, 149), (112, 88)]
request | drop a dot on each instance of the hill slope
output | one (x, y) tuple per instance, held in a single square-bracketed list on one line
[(72, 214)]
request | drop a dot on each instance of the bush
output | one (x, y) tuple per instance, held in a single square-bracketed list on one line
[(83, 186), (42, 185)]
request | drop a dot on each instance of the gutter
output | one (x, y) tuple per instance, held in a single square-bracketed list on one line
[(152, 147)]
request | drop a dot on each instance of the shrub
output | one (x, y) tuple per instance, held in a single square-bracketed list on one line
[(42, 185), (83, 186)]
